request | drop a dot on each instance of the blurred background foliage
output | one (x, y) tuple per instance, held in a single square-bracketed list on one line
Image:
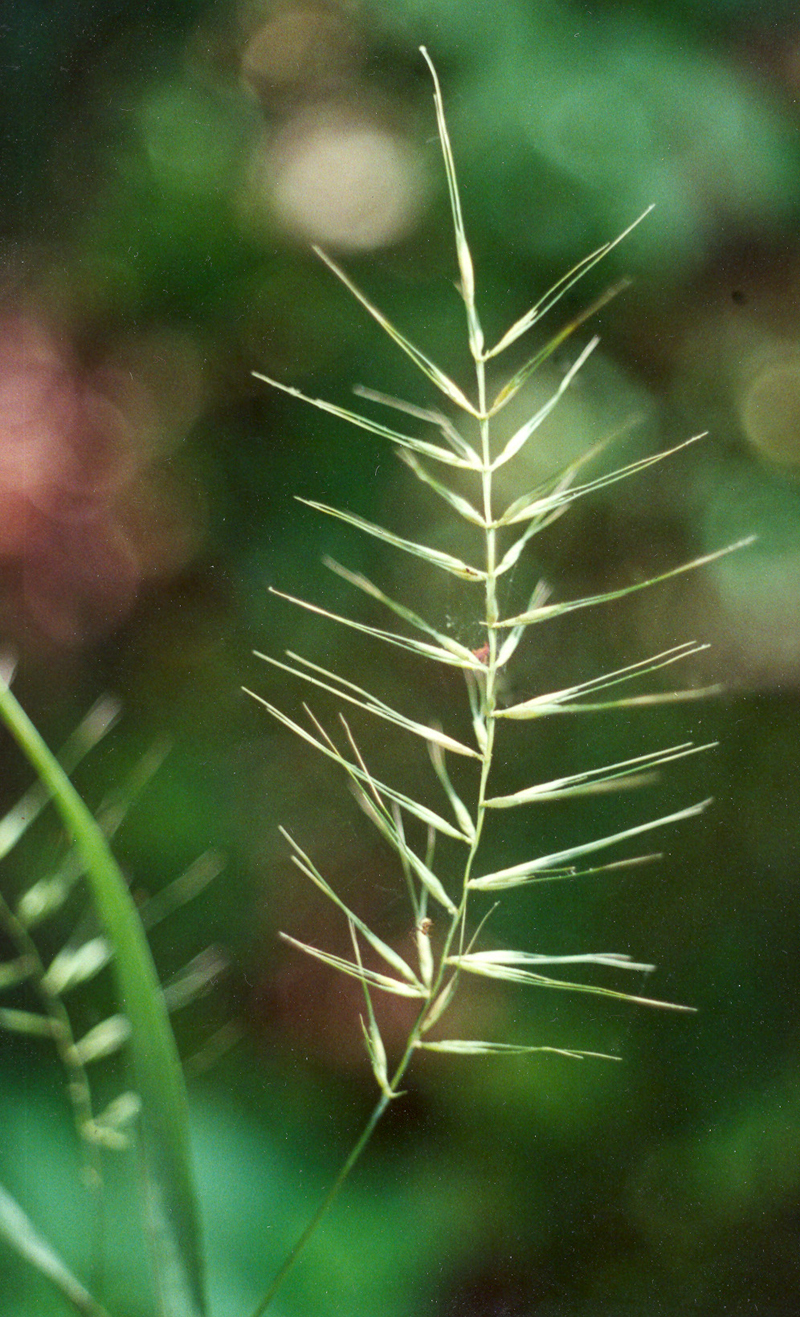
[(165, 167)]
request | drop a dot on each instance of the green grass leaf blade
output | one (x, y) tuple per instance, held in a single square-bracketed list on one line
[(435, 557), (522, 873), (571, 605), (158, 1075), (19, 1232)]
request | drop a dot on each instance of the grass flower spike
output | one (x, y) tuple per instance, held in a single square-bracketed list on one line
[(469, 444)]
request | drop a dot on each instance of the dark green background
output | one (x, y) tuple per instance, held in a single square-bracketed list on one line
[(136, 250)]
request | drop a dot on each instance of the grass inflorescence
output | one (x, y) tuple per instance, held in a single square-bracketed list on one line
[(469, 450)]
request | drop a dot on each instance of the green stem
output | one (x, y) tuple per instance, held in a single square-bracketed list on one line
[(344, 1171), (326, 1203)]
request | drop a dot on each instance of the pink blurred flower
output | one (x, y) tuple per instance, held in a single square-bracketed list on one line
[(71, 462)]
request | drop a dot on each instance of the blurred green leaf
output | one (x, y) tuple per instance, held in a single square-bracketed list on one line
[(159, 1078)]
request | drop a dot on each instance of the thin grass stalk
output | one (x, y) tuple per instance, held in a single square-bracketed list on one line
[(344, 1171)]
